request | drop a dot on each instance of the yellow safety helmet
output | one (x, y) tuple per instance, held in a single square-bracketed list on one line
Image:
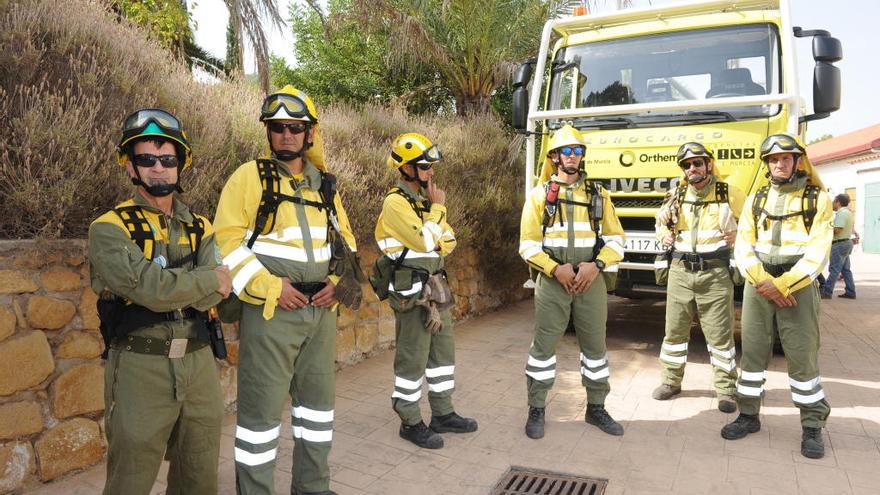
[(290, 103), (566, 135), (154, 122), (412, 148)]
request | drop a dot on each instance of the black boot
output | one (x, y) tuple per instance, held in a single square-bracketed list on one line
[(535, 423), (453, 423), (741, 426), (420, 435), (812, 445), (598, 416)]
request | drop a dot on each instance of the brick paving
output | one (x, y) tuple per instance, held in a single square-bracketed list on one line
[(669, 447)]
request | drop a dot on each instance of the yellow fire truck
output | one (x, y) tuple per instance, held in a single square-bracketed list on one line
[(638, 83)]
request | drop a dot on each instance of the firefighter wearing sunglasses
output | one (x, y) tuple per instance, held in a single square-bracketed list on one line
[(572, 241), (154, 267), (782, 245), (697, 227), (414, 237), (275, 223)]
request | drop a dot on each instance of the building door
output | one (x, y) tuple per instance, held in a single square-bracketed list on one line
[(871, 237)]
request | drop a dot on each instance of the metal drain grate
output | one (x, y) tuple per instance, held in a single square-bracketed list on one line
[(526, 481)]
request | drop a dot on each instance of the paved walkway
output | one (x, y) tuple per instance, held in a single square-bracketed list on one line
[(669, 447)]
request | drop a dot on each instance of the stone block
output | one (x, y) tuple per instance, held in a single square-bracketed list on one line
[(7, 322), (231, 331), (49, 313), (17, 464), (366, 336), (386, 330), (232, 351), (346, 318), (88, 309), (24, 362), (36, 258), (18, 419), (60, 279), (228, 385), (16, 282), (80, 390), (76, 258), (368, 311), (345, 345), (71, 445), (79, 345)]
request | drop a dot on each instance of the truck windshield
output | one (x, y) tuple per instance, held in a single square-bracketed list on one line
[(721, 62)]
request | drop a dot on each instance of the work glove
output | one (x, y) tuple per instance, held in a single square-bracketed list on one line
[(433, 321)]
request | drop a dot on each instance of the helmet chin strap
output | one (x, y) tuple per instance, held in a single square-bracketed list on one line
[(568, 170), (411, 178), (157, 190), (696, 179), (286, 155)]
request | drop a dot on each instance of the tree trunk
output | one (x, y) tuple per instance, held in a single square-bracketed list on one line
[(471, 104)]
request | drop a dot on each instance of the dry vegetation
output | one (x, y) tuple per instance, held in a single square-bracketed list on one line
[(66, 82)]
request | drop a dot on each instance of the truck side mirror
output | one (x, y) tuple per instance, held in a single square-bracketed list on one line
[(826, 77), (520, 111)]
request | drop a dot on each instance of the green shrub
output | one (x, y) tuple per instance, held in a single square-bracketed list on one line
[(67, 81)]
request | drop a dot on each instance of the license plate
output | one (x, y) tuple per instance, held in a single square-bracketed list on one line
[(642, 242)]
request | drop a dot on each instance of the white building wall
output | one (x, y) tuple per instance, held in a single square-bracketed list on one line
[(838, 176)]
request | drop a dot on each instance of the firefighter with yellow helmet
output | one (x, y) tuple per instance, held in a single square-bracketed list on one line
[(275, 220), (154, 268), (414, 237), (572, 240), (782, 245), (697, 226)]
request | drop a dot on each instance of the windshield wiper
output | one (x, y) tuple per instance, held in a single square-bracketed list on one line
[(603, 122), (702, 116)]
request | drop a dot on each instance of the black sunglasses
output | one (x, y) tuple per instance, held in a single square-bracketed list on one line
[(697, 163), (424, 166), (148, 160), (293, 127)]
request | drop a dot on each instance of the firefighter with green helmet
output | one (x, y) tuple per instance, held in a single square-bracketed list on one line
[(154, 267), (572, 240), (414, 237), (783, 243), (276, 221), (697, 226)]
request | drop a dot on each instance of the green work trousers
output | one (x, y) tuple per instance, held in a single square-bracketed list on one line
[(553, 309), (421, 355), (156, 406), (708, 294), (293, 353), (799, 333)]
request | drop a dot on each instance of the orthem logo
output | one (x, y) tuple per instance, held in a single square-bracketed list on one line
[(627, 158)]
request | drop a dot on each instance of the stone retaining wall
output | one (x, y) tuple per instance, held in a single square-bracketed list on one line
[(51, 374)]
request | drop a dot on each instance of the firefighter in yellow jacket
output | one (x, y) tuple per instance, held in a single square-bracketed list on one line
[(154, 266), (571, 237), (697, 224), (414, 237), (273, 227), (782, 245)]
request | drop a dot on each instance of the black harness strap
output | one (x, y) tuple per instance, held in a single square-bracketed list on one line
[(139, 229), (809, 202)]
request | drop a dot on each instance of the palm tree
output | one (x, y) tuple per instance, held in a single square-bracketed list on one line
[(472, 45), (246, 19)]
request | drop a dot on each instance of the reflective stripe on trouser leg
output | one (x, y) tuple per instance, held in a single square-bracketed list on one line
[(799, 332), (552, 310), (267, 353), (313, 393), (439, 372), (713, 291), (410, 361), (589, 313), (758, 315), (680, 310)]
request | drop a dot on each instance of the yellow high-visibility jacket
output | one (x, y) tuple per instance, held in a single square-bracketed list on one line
[(570, 238), (787, 241), (424, 230), (702, 220), (297, 246)]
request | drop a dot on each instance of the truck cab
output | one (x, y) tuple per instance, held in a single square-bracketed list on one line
[(639, 83)]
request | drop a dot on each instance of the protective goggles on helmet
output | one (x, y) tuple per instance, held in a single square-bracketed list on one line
[(142, 118), (284, 106), (570, 150), (430, 155), (692, 150), (780, 143)]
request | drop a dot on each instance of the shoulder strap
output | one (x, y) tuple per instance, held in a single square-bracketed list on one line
[(139, 229), (721, 195), (759, 202), (420, 210), (809, 203), (195, 231), (270, 180)]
